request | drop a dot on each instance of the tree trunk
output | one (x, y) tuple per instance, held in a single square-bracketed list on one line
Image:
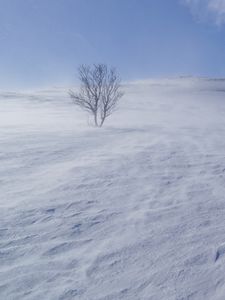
[(102, 121), (96, 120)]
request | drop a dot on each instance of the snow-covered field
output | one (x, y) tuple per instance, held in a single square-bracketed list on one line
[(135, 210)]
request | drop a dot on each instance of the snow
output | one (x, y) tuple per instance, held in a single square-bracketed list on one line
[(134, 210)]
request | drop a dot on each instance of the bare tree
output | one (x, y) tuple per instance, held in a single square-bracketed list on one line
[(99, 92)]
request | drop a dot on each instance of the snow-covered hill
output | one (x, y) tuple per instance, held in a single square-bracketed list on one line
[(135, 210)]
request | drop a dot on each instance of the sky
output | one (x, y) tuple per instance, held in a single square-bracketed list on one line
[(42, 42)]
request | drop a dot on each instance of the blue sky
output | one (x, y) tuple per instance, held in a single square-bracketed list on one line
[(43, 41)]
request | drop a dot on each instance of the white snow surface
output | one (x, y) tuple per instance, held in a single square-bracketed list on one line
[(134, 210)]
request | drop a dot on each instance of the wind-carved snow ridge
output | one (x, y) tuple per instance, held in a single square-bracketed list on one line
[(220, 251), (132, 211)]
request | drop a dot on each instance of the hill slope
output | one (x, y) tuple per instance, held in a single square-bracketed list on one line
[(134, 210)]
